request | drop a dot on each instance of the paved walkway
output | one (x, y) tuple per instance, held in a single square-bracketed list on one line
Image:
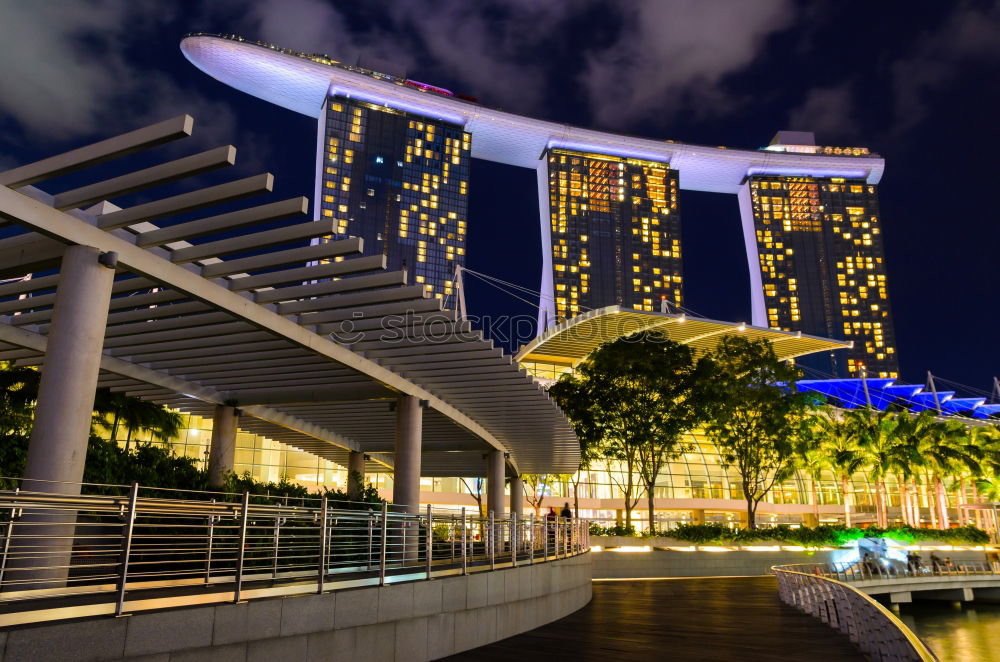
[(711, 619)]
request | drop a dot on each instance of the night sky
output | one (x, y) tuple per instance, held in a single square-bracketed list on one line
[(916, 82)]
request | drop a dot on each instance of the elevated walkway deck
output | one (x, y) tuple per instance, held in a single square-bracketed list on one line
[(714, 618)]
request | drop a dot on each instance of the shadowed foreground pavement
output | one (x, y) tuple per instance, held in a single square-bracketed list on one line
[(717, 618)]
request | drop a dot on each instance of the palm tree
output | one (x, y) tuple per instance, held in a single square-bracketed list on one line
[(18, 392), (910, 432), (840, 454), (986, 441), (810, 456), (949, 451), (883, 455), (135, 414)]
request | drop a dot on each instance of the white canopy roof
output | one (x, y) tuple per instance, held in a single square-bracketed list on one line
[(312, 343)]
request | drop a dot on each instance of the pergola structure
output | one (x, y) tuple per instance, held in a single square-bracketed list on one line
[(562, 347), (252, 317)]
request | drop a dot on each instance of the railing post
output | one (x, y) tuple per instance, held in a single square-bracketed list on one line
[(513, 539), (241, 552), (531, 539), (126, 548), (385, 542), (323, 543), (465, 549), (275, 544), (545, 539), (211, 544), (429, 541), (8, 534), (492, 542), (371, 517)]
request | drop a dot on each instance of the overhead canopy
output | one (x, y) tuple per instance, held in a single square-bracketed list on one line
[(255, 308), (565, 345)]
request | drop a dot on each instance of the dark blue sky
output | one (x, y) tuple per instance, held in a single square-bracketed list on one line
[(916, 82)]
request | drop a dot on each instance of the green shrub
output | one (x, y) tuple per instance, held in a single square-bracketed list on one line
[(616, 530), (820, 536), (109, 467)]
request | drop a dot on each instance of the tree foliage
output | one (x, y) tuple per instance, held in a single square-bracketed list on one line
[(754, 420), (631, 401)]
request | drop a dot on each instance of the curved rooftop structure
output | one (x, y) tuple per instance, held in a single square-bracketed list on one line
[(200, 318), (565, 345), (301, 82)]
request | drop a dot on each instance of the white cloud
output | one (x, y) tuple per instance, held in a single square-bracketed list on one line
[(465, 40), (674, 56), (971, 34), (67, 73), (829, 112), (48, 83)]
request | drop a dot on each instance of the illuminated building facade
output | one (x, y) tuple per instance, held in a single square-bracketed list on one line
[(399, 181), (818, 242), (615, 233)]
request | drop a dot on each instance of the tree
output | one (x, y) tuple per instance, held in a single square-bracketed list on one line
[(476, 492), (840, 454), (538, 486), (635, 396), (911, 432), (809, 456), (18, 392), (577, 409), (948, 451), (754, 417), (874, 433), (135, 414)]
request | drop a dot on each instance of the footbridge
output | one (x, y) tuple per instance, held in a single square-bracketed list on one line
[(962, 583)]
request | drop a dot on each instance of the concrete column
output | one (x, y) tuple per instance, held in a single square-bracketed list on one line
[(222, 453), (58, 447), (355, 474), (698, 515), (61, 430), (495, 469), (406, 462), (900, 597), (406, 474), (516, 495)]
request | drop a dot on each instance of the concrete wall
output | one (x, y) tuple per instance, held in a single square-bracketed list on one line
[(665, 563), (412, 621), (658, 563)]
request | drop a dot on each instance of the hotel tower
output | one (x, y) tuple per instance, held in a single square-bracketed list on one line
[(614, 233), (817, 261), (400, 181), (393, 161)]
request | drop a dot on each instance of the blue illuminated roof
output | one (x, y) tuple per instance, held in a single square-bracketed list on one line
[(961, 405), (986, 411), (883, 393)]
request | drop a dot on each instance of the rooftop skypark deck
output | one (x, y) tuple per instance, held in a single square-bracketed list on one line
[(302, 82)]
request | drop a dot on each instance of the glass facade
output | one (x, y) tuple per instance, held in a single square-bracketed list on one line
[(265, 459), (822, 265), (401, 183), (697, 474), (615, 233)]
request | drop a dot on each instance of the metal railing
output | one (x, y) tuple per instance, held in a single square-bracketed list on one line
[(873, 628), (859, 571), (73, 555)]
